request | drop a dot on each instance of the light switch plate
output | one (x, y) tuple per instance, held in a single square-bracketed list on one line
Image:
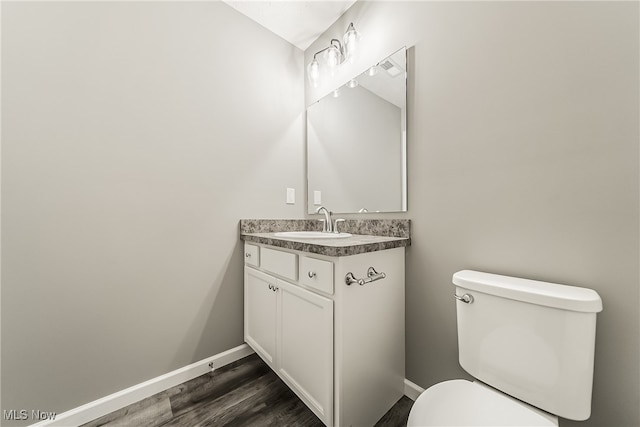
[(317, 197), (291, 196)]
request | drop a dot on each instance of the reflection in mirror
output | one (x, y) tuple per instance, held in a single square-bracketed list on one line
[(356, 143)]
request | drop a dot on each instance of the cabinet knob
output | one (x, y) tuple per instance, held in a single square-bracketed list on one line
[(311, 274), (247, 255)]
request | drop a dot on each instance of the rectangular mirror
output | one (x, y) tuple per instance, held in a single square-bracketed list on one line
[(357, 140)]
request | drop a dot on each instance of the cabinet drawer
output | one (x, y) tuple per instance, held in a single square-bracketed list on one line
[(317, 274), (281, 263), (252, 254)]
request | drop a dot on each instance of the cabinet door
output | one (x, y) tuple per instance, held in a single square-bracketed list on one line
[(305, 352), (260, 303)]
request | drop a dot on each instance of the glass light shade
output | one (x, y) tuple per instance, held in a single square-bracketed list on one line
[(372, 71), (336, 93), (351, 38), (352, 83), (333, 56), (313, 72)]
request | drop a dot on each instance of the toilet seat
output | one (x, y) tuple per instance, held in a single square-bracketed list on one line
[(466, 403)]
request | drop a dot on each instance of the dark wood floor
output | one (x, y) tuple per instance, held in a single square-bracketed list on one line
[(243, 393)]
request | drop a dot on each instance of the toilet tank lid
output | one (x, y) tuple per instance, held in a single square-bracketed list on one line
[(532, 291)]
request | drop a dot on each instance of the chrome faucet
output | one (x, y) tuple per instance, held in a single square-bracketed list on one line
[(328, 225)]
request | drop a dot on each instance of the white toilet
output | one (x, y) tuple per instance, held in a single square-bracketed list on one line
[(531, 346)]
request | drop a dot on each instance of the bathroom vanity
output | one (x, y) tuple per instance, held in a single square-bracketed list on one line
[(327, 315)]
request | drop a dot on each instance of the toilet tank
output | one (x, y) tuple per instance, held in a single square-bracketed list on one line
[(532, 340)]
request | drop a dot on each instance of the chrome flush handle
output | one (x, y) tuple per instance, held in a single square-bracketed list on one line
[(466, 298)]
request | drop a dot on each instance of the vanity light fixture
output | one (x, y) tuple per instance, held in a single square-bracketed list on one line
[(335, 54)]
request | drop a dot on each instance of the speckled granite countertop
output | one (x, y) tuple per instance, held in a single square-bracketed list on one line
[(368, 235)]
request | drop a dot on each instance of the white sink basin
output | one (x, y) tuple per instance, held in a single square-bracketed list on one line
[(311, 235)]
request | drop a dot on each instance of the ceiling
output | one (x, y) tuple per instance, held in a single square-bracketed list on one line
[(298, 22)]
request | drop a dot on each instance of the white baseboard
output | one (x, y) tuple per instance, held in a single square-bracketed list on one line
[(411, 390), (113, 402), (98, 408)]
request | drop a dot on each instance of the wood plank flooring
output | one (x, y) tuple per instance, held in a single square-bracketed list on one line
[(244, 393)]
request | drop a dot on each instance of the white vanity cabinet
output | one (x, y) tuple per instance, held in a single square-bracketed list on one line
[(260, 315), (305, 350), (339, 347), (291, 328)]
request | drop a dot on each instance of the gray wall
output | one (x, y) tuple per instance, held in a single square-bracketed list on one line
[(134, 137), (523, 160)]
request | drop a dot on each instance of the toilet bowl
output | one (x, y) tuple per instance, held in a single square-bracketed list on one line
[(465, 403), (529, 344)]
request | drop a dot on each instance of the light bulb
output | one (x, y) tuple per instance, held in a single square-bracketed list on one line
[(314, 72), (351, 38), (372, 71), (352, 83), (336, 93)]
